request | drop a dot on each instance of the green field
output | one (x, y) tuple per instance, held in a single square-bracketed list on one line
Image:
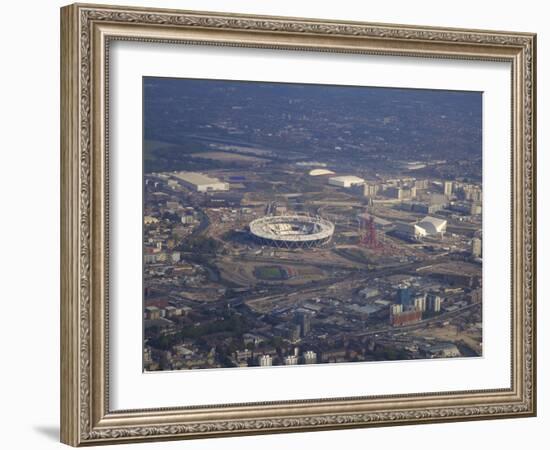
[(271, 273)]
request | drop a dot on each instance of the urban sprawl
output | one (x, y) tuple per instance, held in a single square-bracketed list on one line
[(263, 257)]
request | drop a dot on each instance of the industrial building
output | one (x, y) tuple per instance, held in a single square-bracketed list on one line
[(201, 182), (346, 181)]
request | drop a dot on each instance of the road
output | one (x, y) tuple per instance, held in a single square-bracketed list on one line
[(417, 325), (321, 286)]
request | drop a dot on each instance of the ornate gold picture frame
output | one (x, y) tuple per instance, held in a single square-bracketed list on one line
[(87, 31)]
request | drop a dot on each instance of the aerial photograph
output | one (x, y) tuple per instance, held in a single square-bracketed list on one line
[(291, 224)]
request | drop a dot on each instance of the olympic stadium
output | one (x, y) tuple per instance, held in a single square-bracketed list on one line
[(292, 231)]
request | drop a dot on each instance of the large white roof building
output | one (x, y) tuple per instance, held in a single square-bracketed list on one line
[(428, 226), (346, 181), (433, 225), (201, 182)]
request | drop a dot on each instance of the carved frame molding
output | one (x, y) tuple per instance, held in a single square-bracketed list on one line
[(86, 33)]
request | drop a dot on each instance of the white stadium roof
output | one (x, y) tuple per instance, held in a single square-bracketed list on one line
[(292, 231)]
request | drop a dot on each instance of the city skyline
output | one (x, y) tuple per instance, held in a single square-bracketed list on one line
[(302, 224)]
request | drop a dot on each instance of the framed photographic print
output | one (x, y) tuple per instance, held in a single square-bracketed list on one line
[(275, 224)]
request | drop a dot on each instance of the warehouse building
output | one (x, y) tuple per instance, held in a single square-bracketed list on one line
[(200, 182), (346, 181)]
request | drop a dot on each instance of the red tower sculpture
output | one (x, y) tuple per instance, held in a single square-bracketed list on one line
[(368, 234)]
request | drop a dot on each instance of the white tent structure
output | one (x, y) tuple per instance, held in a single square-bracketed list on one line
[(428, 226), (433, 225)]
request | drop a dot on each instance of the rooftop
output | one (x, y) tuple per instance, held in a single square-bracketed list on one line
[(350, 178), (317, 172), (195, 178)]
